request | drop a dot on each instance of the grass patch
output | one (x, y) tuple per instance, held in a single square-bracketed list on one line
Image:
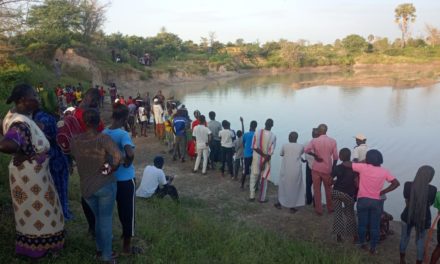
[(184, 233)]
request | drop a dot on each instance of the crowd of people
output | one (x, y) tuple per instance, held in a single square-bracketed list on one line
[(44, 156)]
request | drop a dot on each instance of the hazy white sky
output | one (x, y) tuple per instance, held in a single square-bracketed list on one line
[(265, 20)]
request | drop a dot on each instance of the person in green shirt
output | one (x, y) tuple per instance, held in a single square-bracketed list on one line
[(436, 253)]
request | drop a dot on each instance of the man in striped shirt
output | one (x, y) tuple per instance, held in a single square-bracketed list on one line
[(263, 146)]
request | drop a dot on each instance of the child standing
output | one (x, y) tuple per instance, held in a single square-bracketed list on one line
[(238, 157), (343, 195)]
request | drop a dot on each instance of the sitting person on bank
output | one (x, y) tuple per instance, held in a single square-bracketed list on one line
[(154, 183)]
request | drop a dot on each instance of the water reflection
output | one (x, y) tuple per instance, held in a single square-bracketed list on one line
[(398, 106), (401, 123)]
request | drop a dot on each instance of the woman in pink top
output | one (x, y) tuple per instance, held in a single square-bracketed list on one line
[(369, 206)]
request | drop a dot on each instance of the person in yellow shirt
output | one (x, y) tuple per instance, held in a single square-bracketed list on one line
[(169, 136), (78, 96)]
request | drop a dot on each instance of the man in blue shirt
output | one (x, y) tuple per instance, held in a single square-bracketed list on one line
[(180, 123), (247, 154)]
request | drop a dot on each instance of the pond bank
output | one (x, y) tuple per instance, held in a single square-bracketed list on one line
[(359, 75)]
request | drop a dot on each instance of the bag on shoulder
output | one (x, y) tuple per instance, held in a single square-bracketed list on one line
[(68, 128)]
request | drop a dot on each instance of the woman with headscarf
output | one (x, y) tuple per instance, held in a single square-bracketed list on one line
[(419, 196), (369, 206), (58, 162), (38, 214)]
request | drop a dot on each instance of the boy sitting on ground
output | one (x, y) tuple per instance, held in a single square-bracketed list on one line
[(154, 183)]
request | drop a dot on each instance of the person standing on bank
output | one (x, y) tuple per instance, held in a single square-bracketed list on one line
[(419, 196), (179, 129), (309, 164), (32, 189), (360, 151), (202, 136), (344, 196), (247, 151), (291, 185), (90, 101), (227, 147), (369, 206), (96, 155), (125, 176), (324, 149), (215, 145), (263, 145)]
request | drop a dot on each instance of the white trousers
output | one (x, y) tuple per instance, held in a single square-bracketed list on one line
[(205, 152)]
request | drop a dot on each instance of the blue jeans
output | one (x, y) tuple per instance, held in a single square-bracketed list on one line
[(102, 203), (420, 240), (369, 212)]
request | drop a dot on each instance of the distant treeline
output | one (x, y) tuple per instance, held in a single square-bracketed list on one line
[(31, 31)]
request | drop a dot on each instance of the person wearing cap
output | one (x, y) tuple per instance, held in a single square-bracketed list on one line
[(360, 151), (326, 156), (154, 183)]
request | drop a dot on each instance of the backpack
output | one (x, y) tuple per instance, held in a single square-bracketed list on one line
[(68, 128)]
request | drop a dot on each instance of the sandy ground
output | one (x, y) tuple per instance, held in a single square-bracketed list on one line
[(224, 196)]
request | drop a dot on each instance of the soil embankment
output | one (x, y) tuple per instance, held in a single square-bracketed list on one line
[(132, 81)]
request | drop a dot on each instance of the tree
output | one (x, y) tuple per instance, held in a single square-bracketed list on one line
[(55, 22), (239, 42), (381, 44), (12, 23), (291, 54), (404, 15), (354, 43), (433, 35), (92, 17), (204, 44), (212, 39)]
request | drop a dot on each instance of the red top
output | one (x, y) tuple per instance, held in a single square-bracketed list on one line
[(101, 91), (79, 116), (195, 123)]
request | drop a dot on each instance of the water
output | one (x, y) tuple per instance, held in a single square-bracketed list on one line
[(404, 124)]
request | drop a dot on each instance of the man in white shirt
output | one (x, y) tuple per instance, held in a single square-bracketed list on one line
[(360, 151), (202, 135), (154, 183)]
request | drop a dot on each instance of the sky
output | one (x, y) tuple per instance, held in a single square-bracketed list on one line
[(266, 20)]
